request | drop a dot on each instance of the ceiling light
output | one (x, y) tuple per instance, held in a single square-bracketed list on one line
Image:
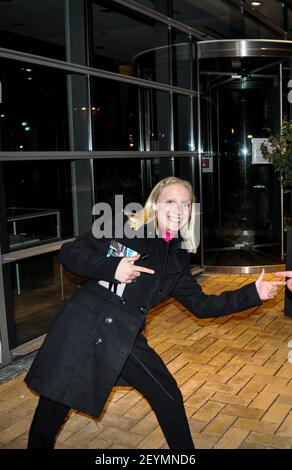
[(256, 4)]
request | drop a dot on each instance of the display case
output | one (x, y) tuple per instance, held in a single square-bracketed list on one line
[(30, 227)]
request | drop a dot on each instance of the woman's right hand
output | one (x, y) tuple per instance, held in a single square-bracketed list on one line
[(128, 272)]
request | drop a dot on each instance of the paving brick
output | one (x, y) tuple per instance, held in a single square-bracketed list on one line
[(255, 425), (155, 440), (115, 435), (14, 430), (218, 386), (252, 389), (286, 427), (185, 373), (204, 440), (220, 359), (208, 411), (177, 364), (228, 371), (190, 387), (81, 439), (146, 425), (199, 398), (243, 411), (263, 400), (276, 413), (271, 441), (229, 398), (138, 411), (285, 371), (220, 424), (232, 439), (19, 443)]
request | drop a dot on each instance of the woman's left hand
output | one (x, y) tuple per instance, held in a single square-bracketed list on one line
[(267, 289)]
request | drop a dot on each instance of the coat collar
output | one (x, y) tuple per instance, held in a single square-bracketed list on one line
[(148, 231)]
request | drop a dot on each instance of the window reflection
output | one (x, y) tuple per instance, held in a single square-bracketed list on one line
[(38, 203), (26, 26), (120, 36), (33, 112), (39, 289)]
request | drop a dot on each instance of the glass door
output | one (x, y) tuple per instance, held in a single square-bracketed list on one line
[(241, 105)]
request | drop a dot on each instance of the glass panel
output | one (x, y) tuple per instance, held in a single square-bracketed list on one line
[(182, 122), (38, 202), (219, 19), (273, 10), (33, 26), (39, 288), (289, 21), (255, 29), (33, 109), (155, 120), (121, 112), (115, 115), (118, 176), (159, 5), (180, 59), (128, 43)]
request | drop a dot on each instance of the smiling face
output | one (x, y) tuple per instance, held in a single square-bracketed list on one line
[(173, 207)]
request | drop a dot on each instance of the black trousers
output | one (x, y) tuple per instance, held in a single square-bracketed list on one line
[(168, 407)]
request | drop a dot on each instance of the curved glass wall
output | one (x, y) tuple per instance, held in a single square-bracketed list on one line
[(243, 87)]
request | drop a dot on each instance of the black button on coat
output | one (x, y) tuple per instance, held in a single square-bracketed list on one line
[(84, 352)]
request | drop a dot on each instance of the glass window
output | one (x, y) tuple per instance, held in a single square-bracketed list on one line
[(181, 59), (273, 10), (129, 43), (182, 122), (33, 112), (126, 117), (33, 26), (255, 29), (158, 5), (155, 120), (219, 19), (289, 20), (115, 115), (39, 288), (119, 177), (38, 202)]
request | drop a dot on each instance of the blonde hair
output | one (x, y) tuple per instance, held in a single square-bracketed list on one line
[(149, 214)]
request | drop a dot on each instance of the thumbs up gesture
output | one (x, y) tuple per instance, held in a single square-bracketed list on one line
[(267, 289)]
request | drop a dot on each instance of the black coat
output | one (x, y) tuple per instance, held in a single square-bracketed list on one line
[(84, 351)]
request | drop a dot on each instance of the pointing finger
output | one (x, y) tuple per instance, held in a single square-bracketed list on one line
[(142, 269), (283, 273)]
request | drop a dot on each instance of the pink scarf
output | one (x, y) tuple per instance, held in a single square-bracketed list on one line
[(166, 234)]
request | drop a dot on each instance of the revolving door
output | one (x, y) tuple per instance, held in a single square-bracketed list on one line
[(243, 99)]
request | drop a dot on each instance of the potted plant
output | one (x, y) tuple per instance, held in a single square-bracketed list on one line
[(279, 153)]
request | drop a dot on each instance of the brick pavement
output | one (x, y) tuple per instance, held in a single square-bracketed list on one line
[(233, 372)]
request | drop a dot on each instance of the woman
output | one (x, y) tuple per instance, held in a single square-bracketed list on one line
[(96, 341)]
